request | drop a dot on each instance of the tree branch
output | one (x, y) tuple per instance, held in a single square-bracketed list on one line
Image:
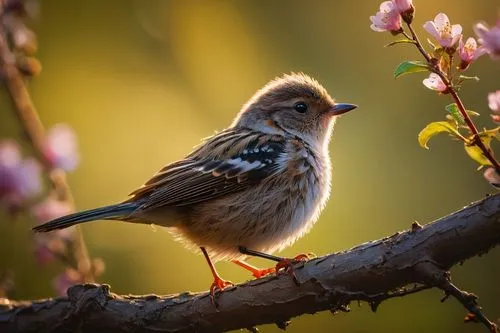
[(372, 272)]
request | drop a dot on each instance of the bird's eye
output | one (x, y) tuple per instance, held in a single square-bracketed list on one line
[(300, 107)]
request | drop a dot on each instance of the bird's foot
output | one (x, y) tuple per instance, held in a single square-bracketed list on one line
[(256, 272), (287, 264), (219, 285), (261, 272)]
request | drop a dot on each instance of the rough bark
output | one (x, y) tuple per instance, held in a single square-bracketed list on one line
[(372, 272)]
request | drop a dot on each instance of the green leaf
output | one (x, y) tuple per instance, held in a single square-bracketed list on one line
[(407, 67), (475, 152), (455, 113), (435, 128), (401, 41)]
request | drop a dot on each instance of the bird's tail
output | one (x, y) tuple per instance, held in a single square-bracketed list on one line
[(103, 213)]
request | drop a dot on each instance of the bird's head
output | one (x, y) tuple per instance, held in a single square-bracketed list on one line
[(293, 103)]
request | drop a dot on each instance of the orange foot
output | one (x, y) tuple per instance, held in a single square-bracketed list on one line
[(256, 272), (263, 272), (286, 265), (219, 285)]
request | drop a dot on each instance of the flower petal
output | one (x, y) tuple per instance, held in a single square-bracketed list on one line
[(62, 147), (442, 21), (430, 27), (456, 29)]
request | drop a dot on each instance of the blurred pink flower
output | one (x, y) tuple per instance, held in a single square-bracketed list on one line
[(10, 158), (19, 179), (403, 5), (50, 209), (494, 104), (62, 147), (469, 51), (492, 177), (434, 82), (66, 279), (494, 101), (446, 34), (44, 255), (489, 38), (387, 19), (48, 247)]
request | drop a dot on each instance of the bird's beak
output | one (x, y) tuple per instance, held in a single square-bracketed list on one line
[(341, 108)]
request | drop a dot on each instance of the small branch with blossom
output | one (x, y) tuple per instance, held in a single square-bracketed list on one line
[(56, 150), (447, 63)]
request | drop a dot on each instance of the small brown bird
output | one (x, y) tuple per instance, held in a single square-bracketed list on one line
[(249, 190)]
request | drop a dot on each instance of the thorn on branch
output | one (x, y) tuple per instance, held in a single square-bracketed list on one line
[(283, 324), (415, 226), (445, 297), (340, 308), (374, 305)]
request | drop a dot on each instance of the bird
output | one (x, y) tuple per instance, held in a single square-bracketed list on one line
[(251, 189)]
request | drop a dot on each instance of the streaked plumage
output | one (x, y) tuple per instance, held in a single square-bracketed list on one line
[(261, 183)]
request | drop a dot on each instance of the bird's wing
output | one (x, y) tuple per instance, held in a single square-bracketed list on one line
[(226, 163)]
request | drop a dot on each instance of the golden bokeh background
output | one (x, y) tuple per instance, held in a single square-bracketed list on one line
[(142, 81)]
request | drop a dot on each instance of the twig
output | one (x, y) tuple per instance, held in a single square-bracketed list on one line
[(372, 272), (434, 275), (34, 129), (452, 91), (469, 301)]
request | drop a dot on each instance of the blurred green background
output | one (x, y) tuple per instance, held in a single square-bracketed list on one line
[(142, 81)]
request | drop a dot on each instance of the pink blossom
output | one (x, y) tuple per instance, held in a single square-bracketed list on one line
[(387, 19), (494, 104), (19, 179), (446, 34), (44, 255), (28, 178), (492, 177), (494, 101), (434, 82), (403, 5), (469, 51), (62, 147), (50, 209), (10, 158), (65, 280), (50, 246), (489, 38)]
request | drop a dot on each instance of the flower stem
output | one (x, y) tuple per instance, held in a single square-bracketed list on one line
[(35, 131), (452, 91), (418, 44)]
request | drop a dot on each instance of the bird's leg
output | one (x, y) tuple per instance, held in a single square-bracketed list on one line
[(256, 272), (285, 264), (219, 283), (253, 253)]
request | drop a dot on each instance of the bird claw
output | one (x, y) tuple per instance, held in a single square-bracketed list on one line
[(286, 265), (263, 272), (219, 285)]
